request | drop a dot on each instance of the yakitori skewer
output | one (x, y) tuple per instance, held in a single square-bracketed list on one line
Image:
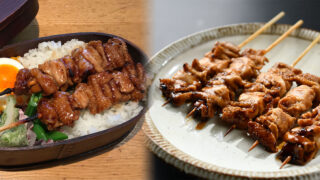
[(117, 78), (301, 143), (296, 25), (225, 77), (68, 71), (215, 61), (102, 90), (285, 115)]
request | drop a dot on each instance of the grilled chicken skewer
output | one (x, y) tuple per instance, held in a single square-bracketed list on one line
[(120, 79), (102, 90), (238, 114), (191, 79), (221, 90), (267, 129), (62, 73), (301, 143), (259, 96)]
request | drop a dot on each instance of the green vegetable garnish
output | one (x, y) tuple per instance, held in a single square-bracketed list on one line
[(40, 132), (33, 104), (16, 136), (38, 127), (57, 135)]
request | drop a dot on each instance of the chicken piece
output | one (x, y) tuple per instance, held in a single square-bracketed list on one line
[(243, 66), (309, 80), (84, 66), (257, 56), (136, 74), (80, 99), (123, 82), (302, 144), (309, 118), (268, 128), (99, 47), (210, 65), (46, 82), (224, 50), (136, 95), (209, 99), (55, 69), (232, 80), (249, 106), (21, 84), (286, 71), (72, 70), (93, 56), (218, 95), (297, 100), (47, 114), (274, 82), (181, 82), (102, 101), (117, 53), (64, 110)]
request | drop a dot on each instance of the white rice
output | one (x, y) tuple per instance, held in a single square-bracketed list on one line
[(87, 123)]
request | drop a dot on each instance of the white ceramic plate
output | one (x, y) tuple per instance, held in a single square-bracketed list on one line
[(206, 153)]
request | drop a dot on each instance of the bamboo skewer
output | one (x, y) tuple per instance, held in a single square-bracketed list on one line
[(314, 42), (264, 27), (283, 36), (286, 161), (15, 124)]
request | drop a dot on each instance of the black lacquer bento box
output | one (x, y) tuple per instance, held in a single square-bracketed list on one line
[(20, 156)]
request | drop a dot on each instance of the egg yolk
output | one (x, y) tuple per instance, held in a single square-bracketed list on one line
[(8, 75)]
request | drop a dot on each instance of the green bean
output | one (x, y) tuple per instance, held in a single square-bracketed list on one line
[(33, 104), (40, 132), (57, 135)]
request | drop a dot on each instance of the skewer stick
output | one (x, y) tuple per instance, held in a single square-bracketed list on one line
[(255, 144), (15, 124), (230, 129), (167, 102), (6, 91), (288, 159), (314, 42), (264, 27), (292, 28), (191, 112)]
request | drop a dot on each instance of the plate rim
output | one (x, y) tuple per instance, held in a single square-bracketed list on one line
[(161, 147)]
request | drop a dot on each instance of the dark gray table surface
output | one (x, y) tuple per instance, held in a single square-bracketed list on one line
[(173, 19)]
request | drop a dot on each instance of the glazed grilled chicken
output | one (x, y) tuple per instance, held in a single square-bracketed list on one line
[(298, 100), (60, 74), (192, 78), (303, 142), (102, 90), (268, 129), (260, 96), (248, 106)]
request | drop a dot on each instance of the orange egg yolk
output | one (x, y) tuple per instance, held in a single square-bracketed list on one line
[(8, 75)]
